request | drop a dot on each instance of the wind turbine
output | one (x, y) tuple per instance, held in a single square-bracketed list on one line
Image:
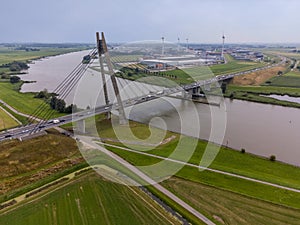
[(187, 43), (163, 46), (223, 38)]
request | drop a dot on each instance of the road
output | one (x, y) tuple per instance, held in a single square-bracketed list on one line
[(89, 141)]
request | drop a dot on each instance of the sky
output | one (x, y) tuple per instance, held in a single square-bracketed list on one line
[(201, 21)]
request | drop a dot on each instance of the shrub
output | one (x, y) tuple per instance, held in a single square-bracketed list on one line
[(14, 79), (273, 158)]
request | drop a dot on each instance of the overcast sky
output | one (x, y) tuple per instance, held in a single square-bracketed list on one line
[(132, 20)]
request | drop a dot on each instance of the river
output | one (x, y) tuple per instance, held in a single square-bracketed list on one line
[(260, 129)]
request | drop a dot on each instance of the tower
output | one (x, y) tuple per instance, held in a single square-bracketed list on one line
[(104, 54)]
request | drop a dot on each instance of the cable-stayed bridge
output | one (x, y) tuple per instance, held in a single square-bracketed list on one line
[(42, 117)]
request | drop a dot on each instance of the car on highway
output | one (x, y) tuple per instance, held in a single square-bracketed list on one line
[(56, 121)]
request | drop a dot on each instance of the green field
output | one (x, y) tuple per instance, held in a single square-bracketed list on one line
[(233, 66), (230, 161), (8, 55), (252, 93), (236, 186), (90, 200), (6, 121), (227, 159), (229, 207), (23, 102), (291, 79)]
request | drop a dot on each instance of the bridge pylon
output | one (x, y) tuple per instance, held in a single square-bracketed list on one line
[(104, 55)]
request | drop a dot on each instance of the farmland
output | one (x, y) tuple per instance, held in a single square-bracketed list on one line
[(230, 208), (90, 200), (25, 164)]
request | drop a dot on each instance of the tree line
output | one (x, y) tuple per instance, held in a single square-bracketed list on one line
[(56, 103)]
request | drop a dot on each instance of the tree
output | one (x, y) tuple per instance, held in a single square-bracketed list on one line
[(273, 158), (71, 108), (53, 102), (43, 94), (223, 87), (60, 105), (57, 104), (14, 79)]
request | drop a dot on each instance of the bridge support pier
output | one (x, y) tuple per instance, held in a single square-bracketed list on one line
[(80, 126)]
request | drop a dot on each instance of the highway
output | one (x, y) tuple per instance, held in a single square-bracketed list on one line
[(44, 125)]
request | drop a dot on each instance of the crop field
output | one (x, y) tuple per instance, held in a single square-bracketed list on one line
[(24, 163), (90, 200), (6, 121), (230, 208)]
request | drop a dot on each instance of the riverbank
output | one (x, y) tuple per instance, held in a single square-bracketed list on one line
[(9, 55), (254, 94)]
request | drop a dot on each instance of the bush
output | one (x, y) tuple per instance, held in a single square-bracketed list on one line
[(14, 79), (243, 150), (4, 76), (273, 158)]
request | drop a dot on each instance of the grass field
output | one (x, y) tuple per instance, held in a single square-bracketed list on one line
[(23, 102), (291, 79), (90, 200), (233, 184), (252, 93), (8, 55), (231, 208), (6, 121), (234, 66), (227, 159)]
